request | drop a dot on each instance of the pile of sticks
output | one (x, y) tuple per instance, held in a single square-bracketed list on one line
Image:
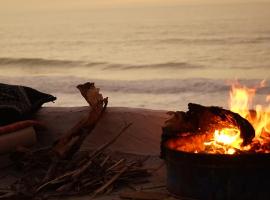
[(64, 170)]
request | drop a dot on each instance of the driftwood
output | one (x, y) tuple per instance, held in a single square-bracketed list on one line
[(72, 140), (203, 119), (63, 170)]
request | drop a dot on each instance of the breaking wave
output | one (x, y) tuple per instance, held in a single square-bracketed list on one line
[(172, 65), (36, 62), (40, 62), (43, 62), (67, 84), (208, 41)]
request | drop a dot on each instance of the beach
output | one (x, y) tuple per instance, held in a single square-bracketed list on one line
[(149, 58)]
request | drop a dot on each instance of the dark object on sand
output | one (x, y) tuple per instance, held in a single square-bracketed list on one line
[(19, 102)]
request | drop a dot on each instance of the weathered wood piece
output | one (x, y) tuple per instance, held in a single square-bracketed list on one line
[(71, 141)]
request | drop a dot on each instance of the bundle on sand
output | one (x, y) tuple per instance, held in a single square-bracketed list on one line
[(64, 170)]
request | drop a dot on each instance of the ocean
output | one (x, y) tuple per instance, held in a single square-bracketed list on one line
[(148, 57)]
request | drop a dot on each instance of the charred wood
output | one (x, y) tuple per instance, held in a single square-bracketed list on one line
[(203, 119)]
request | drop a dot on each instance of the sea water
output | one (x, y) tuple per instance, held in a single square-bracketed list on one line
[(154, 57)]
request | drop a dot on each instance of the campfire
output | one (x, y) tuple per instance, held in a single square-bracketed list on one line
[(215, 153), (224, 135)]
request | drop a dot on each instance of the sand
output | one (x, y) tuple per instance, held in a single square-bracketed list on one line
[(143, 137)]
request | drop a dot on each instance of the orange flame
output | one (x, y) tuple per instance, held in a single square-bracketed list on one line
[(241, 101)]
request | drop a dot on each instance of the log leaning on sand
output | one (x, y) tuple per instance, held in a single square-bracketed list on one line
[(70, 142)]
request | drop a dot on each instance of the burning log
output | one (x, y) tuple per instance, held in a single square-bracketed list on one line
[(205, 120), (211, 118)]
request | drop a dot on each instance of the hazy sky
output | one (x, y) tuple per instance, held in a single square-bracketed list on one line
[(69, 4)]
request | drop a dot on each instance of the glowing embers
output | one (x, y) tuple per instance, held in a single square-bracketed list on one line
[(225, 141)]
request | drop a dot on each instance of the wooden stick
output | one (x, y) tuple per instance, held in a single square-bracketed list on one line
[(115, 165), (105, 160), (110, 182)]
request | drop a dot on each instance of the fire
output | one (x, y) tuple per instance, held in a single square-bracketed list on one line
[(228, 140), (241, 101), (228, 137)]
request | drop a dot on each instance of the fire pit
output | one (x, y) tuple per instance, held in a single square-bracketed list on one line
[(217, 176), (213, 153)]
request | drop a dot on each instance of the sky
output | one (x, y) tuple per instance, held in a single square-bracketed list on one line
[(9, 5)]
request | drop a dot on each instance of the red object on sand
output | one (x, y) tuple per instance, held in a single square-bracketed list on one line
[(20, 125)]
